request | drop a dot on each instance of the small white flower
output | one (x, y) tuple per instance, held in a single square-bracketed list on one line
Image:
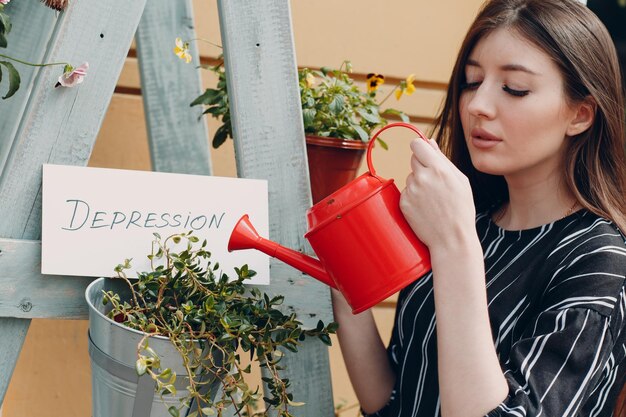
[(73, 76)]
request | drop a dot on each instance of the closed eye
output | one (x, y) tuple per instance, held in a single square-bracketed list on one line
[(516, 93), (470, 86)]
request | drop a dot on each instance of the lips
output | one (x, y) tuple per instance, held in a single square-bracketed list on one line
[(482, 139), (482, 134)]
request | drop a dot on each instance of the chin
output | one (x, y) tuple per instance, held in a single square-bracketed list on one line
[(487, 167)]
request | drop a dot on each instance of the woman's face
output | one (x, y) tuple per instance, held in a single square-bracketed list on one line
[(513, 109)]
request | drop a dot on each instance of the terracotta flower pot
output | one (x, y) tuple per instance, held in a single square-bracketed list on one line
[(333, 163)]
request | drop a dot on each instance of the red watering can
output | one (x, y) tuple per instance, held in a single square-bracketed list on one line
[(365, 247)]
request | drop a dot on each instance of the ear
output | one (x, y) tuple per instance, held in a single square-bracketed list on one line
[(584, 116)]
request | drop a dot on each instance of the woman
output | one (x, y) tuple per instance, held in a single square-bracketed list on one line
[(523, 311)]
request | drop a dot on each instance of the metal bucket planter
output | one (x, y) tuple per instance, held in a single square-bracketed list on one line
[(117, 390)]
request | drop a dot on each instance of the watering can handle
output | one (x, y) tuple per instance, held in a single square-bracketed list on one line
[(370, 166)]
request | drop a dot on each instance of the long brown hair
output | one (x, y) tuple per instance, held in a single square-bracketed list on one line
[(576, 40)]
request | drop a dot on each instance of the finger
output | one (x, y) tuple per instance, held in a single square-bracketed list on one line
[(433, 143), (416, 165), (412, 186), (424, 152), (409, 180)]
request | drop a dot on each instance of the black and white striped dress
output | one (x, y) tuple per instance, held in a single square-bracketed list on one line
[(556, 303)]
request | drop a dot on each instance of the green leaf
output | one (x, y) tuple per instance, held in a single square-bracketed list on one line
[(332, 327), (382, 143), (221, 134), (173, 411), (370, 117), (325, 339), (3, 41), (308, 115), (214, 111), (141, 366), (14, 79), (398, 113), (5, 24), (208, 411), (209, 97), (336, 105), (361, 132)]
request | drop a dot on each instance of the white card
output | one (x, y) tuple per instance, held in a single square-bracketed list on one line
[(95, 218)]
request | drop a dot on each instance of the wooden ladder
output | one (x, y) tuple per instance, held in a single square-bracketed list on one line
[(41, 124)]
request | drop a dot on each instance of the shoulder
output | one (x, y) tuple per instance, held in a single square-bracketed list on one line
[(587, 239), (587, 265)]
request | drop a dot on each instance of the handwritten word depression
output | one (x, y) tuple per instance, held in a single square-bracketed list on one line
[(83, 217)]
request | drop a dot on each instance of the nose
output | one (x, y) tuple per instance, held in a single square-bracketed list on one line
[(480, 102)]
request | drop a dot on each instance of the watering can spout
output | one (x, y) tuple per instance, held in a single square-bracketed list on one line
[(245, 236)]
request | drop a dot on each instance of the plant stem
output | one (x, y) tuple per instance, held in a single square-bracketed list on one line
[(387, 96), (204, 40), (125, 278), (31, 64)]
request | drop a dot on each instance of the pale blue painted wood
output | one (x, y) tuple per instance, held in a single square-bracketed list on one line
[(269, 144), (60, 124), (303, 295), (28, 294), (267, 122), (57, 126), (26, 44), (178, 134)]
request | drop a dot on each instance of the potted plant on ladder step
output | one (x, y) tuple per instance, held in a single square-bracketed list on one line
[(177, 334), (338, 116)]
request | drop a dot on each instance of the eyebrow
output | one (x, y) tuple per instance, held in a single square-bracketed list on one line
[(507, 67)]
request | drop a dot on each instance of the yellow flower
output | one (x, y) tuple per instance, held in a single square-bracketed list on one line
[(406, 87), (373, 81), (182, 50), (310, 79)]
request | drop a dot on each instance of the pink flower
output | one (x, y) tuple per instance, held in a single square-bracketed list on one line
[(72, 76), (4, 1)]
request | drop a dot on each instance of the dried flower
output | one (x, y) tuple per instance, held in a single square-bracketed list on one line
[(54, 4), (73, 76), (182, 50)]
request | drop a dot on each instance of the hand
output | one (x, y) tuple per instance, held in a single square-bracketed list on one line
[(437, 201)]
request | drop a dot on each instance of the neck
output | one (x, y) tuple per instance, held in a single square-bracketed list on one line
[(535, 203)]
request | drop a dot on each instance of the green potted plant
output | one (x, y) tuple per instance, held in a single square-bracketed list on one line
[(338, 117), (181, 329), (332, 104)]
